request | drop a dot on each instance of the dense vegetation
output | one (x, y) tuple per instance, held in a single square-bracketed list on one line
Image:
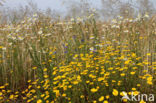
[(77, 61)]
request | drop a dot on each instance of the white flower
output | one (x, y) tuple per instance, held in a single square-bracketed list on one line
[(20, 38), (40, 32), (146, 16), (35, 15), (48, 34), (4, 48), (10, 44), (126, 31), (130, 20), (115, 26), (103, 37), (114, 21), (92, 37), (72, 19), (17, 30), (91, 49)]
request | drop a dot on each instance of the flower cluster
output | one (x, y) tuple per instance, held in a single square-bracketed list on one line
[(76, 62)]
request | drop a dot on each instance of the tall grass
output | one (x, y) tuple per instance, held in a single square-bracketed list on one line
[(77, 61)]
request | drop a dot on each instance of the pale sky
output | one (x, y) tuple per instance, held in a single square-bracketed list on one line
[(53, 4), (43, 4)]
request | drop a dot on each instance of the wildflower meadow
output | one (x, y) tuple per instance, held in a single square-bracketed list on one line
[(80, 60)]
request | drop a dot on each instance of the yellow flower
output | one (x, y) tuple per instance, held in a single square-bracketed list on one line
[(105, 101), (1, 93), (56, 92), (1, 87), (69, 86), (94, 90), (11, 97), (45, 98), (39, 101), (123, 93), (75, 82), (129, 93), (52, 102), (47, 101), (101, 98), (34, 68), (42, 95), (33, 91), (87, 81), (136, 93), (142, 101), (82, 96), (50, 53), (1, 98), (49, 60), (133, 55), (148, 54), (94, 101), (124, 100), (45, 76), (45, 69), (1, 47), (38, 87), (132, 73), (149, 78), (100, 79), (138, 85), (107, 96), (149, 82), (127, 62), (133, 88), (29, 81), (122, 74), (115, 92), (29, 86), (64, 95)]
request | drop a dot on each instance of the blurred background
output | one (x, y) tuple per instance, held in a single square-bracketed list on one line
[(15, 10)]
